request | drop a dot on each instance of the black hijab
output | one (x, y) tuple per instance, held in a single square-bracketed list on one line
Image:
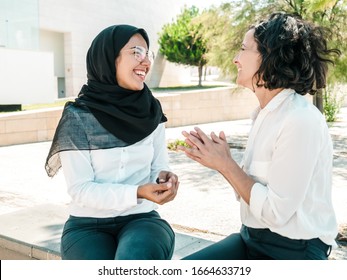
[(127, 116)]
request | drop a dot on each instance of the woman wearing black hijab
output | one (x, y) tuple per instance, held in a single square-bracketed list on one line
[(111, 146)]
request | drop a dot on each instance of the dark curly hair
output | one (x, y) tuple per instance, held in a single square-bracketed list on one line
[(294, 53)]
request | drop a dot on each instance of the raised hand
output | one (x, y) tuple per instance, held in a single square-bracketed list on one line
[(211, 152)]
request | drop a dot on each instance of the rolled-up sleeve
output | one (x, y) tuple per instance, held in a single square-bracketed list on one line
[(259, 195)]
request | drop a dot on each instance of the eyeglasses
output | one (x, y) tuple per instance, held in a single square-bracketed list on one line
[(140, 54)]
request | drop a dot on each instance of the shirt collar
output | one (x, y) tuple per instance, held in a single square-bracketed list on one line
[(278, 99), (274, 102)]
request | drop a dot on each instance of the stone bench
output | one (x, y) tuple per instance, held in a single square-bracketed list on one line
[(34, 233)]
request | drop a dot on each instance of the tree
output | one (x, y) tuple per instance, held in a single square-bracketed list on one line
[(332, 15), (180, 42), (224, 27)]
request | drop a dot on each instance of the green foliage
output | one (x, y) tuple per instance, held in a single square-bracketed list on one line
[(180, 42), (332, 103), (172, 146), (332, 15), (224, 27), (216, 28)]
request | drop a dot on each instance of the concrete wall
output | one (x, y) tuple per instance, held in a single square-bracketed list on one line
[(211, 105), (181, 108), (28, 127), (53, 42), (26, 77)]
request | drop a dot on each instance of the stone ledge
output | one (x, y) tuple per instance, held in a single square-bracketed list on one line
[(34, 233)]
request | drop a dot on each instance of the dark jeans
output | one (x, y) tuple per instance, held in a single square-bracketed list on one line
[(134, 237), (262, 244)]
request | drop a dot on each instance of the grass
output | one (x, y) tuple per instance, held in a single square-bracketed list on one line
[(172, 146), (44, 105)]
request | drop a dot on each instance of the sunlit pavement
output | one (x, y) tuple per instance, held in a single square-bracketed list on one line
[(205, 205)]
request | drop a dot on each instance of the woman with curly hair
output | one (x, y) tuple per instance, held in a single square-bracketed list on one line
[(284, 182)]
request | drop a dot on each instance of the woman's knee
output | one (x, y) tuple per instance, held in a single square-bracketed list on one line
[(150, 239), (97, 246), (230, 248)]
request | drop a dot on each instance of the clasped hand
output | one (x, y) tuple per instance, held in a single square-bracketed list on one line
[(211, 152), (163, 192)]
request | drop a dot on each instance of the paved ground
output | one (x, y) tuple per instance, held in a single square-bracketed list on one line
[(205, 205)]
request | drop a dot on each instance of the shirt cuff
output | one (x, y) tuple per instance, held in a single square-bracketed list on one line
[(130, 196), (258, 196)]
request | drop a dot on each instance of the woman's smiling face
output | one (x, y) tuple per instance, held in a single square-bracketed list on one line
[(247, 61), (131, 73)]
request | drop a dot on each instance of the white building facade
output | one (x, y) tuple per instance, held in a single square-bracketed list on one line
[(43, 44)]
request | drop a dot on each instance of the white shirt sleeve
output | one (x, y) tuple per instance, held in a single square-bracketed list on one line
[(160, 160), (87, 192)]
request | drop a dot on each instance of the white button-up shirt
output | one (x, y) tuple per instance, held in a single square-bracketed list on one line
[(103, 183), (289, 155)]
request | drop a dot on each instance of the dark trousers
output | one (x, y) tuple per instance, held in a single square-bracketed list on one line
[(262, 244), (134, 237)]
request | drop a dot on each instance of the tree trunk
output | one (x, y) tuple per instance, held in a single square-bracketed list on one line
[(200, 74), (318, 100)]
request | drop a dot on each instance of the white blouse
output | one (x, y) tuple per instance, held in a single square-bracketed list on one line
[(289, 154), (103, 183)]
